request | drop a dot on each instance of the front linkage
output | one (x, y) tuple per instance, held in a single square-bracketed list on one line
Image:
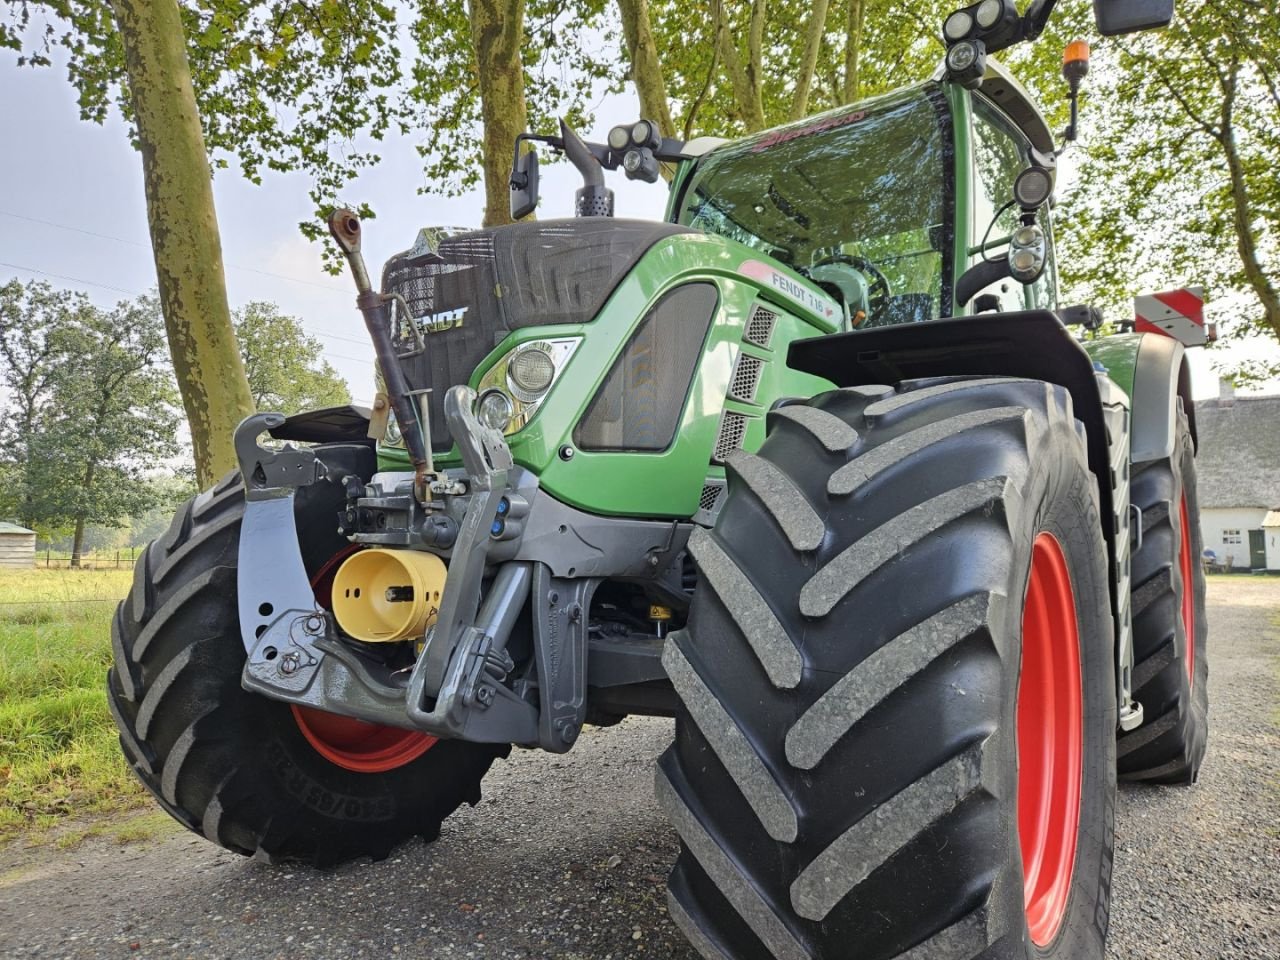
[(489, 518)]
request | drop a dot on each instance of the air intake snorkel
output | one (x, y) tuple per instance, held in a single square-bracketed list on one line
[(593, 198)]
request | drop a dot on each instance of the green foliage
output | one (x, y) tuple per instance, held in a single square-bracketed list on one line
[(287, 85), (282, 84), (94, 401), (1202, 99), (569, 51), (284, 365)]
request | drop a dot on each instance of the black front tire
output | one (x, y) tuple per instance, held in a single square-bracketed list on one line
[(233, 765), (1171, 663), (845, 772)]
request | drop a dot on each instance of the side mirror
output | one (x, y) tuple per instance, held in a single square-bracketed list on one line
[(1127, 16), (524, 182)]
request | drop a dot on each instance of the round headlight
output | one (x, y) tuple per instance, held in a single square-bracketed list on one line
[(642, 133), (495, 410), (962, 57), (958, 25), (1032, 187), (631, 161), (989, 12), (531, 371), (619, 137)]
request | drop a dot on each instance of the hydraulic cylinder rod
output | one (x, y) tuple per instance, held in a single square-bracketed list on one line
[(344, 225)]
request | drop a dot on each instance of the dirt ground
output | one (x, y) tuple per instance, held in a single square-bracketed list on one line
[(566, 857)]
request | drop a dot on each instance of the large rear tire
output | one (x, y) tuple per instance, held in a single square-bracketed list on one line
[(246, 771), (898, 734), (1170, 629)]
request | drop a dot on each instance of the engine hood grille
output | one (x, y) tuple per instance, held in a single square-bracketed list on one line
[(480, 286)]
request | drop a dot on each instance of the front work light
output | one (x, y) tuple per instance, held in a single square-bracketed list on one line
[(1032, 188), (958, 25)]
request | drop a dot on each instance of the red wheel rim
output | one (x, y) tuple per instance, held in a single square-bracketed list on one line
[(1050, 740), (350, 743), (1186, 561)]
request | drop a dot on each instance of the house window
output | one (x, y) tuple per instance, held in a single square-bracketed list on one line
[(1231, 536)]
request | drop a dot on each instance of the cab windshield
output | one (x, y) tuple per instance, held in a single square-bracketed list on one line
[(867, 186)]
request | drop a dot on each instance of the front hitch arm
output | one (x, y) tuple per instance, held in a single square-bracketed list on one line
[(375, 307)]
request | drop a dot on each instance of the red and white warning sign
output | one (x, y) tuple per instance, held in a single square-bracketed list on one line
[(1174, 313)]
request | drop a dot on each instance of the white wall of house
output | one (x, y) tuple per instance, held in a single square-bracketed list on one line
[(1219, 525)]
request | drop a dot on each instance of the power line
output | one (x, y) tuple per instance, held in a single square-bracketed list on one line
[(134, 293), (63, 276), (137, 243)]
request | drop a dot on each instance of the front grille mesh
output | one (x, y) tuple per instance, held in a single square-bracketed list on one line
[(746, 378), (760, 326), (733, 427)]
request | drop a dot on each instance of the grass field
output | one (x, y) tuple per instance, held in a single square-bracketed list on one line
[(59, 756)]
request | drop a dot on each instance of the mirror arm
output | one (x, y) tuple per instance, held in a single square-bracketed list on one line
[(1036, 18)]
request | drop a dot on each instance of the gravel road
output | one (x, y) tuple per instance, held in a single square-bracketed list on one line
[(566, 857)]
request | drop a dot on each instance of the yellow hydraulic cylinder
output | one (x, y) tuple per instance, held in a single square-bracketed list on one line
[(382, 596)]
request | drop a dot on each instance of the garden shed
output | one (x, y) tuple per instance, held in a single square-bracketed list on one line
[(17, 546)]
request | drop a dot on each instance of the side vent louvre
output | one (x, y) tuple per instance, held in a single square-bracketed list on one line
[(760, 326), (746, 378), (709, 504), (710, 495), (733, 427)]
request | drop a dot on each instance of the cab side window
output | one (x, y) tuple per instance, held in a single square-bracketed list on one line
[(1000, 153)]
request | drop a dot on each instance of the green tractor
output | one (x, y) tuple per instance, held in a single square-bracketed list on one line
[(815, 465)]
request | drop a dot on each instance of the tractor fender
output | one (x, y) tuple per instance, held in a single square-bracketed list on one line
[(1161, 377), (1032, 344)]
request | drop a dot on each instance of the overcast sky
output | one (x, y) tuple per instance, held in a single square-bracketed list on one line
[(72, 212)]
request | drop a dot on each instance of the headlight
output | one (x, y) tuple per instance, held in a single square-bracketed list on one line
[(494, 409), (531, 371), (523, 377)]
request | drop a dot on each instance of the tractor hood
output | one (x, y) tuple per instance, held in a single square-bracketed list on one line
[(475, 288)]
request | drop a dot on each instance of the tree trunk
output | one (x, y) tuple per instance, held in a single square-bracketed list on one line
[(184, 231), (744, 78), (852, 50), (809, 58), (646, 68), (77, 541), (497, 34), (1245, 226)]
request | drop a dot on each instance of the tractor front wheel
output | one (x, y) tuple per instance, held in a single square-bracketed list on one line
[(252, 774), (898, 726)]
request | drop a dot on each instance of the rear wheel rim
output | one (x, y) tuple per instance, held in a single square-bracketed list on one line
[(350, 743), (1050, 715), (1186, 562)]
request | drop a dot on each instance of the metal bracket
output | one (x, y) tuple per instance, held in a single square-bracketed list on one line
[(279, 617), (269, 474), (560, 624)]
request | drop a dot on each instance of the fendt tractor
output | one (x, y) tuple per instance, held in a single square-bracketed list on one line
[(817, 465)]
